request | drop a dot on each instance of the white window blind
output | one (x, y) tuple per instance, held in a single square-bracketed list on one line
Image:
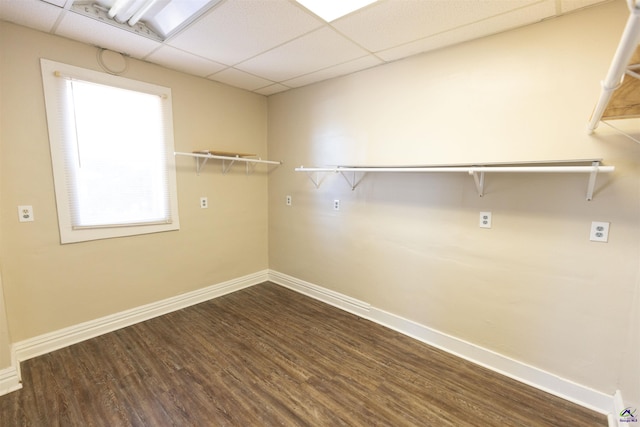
[(112, 152)]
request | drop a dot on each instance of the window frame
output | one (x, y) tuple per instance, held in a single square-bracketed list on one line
[(53, 77)]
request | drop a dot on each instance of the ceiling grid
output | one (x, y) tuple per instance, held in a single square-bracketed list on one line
[(269, 46)]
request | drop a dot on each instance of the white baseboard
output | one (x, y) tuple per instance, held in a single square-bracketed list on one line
[(327, 296), (618, 407), (27, 349), (623, 415), (9, 380), (550, 383), (55, 340)]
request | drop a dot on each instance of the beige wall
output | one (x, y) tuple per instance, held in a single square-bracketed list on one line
[(5, 341), (49, 286), (533, 288)]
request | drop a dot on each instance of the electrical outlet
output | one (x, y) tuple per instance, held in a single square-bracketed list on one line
[(288, 200), (336, 205), (25, 213), (204, 203), (485, 219), (599, 232)]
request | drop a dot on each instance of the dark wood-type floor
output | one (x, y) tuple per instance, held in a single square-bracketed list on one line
[(267, 356)]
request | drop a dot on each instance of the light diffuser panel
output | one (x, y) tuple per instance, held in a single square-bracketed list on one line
[(330, 10)]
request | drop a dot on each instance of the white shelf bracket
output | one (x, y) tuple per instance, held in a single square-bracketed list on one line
[(478, 178), (227, 160), (250, 167), (200, 165), (619, 65), (315, 178), (352, 180), (225, 167), (592, 180)]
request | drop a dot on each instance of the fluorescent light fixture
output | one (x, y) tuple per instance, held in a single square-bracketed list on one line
[(156, 19), (330, 10)]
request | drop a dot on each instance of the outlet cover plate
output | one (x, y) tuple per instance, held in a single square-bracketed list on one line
[(485, 219), (25, 213), (599, 232)]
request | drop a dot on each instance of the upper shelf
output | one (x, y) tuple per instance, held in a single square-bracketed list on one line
[(589, 166), (620, 94), (202, 156)]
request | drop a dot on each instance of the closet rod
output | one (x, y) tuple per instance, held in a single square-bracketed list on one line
[(478, 172), (468, 169), (236, 159)]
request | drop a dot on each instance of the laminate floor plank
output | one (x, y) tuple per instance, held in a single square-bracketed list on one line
[(267, 356)]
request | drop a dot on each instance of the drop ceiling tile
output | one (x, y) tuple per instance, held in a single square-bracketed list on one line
[(30, 13), (271, 89), (391, 23), (176, 59), (240, 79), (59, 3), (313, 52), (504, 22), (94, 32), (271, 41), (239, 29), (336, 71), (571, 5)]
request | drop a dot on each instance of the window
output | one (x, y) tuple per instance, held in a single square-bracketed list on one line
[(111, 143)]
